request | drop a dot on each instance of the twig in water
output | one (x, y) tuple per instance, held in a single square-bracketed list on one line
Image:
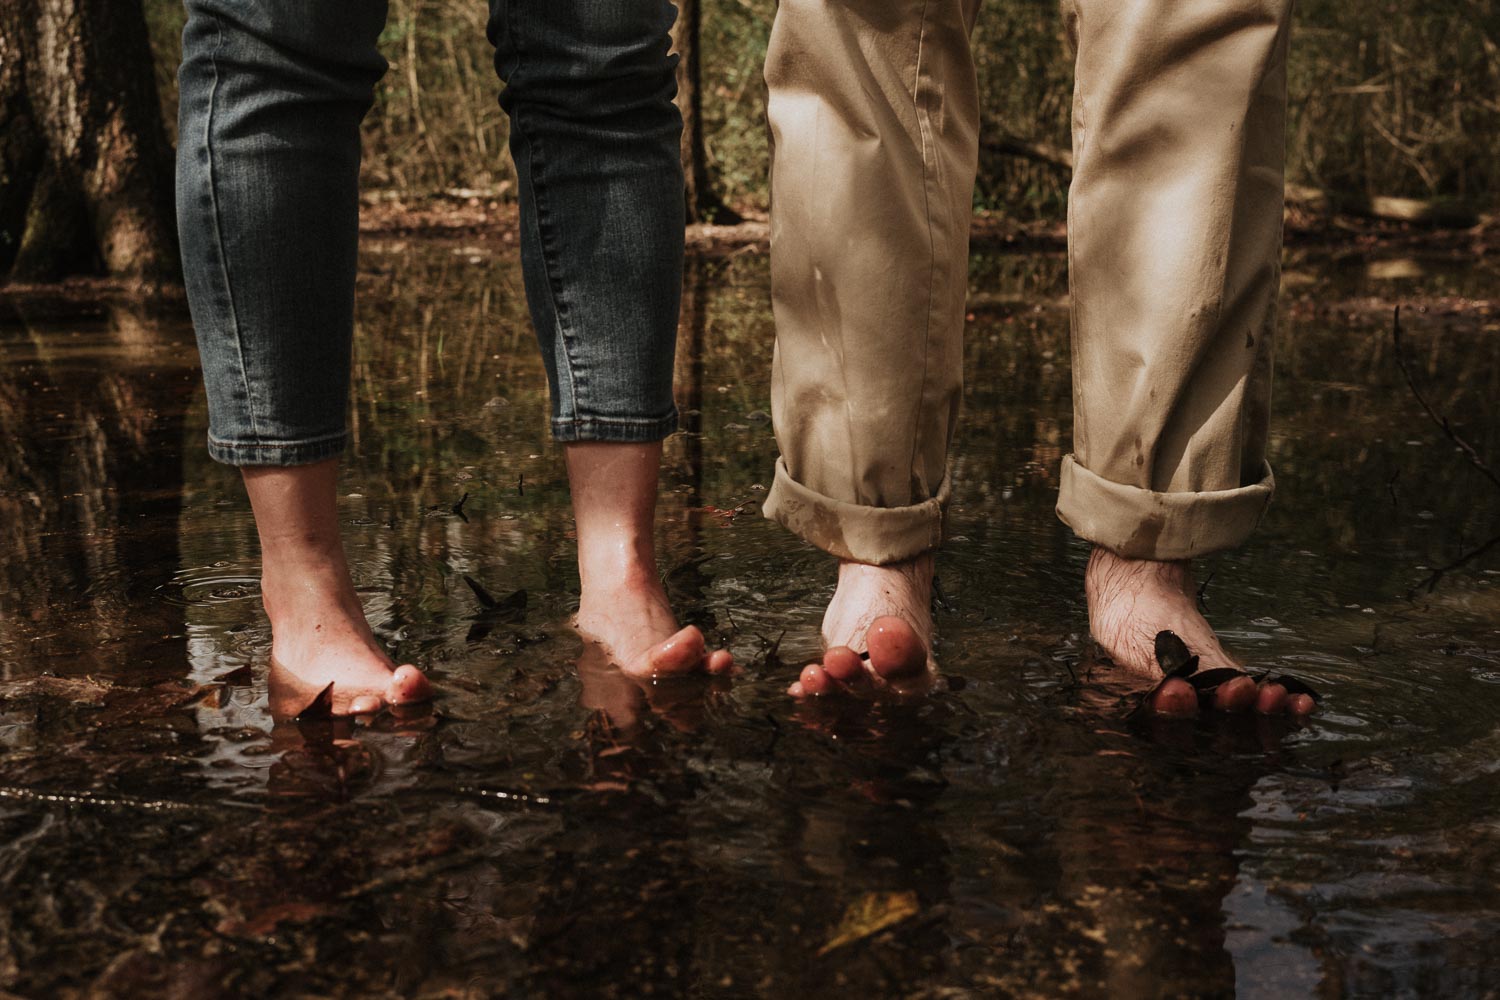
[(1442, 421), (1431, 581)]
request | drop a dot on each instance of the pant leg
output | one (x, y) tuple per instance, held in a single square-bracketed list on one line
[(596, 137), (874, 114), (1174, 227), (272, 94)]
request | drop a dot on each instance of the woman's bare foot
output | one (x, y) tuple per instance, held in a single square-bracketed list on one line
[(885, 610), (1131, 600), (623, 606), (319, 635), (627, 614)]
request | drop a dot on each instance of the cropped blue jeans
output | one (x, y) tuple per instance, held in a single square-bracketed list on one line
[(272, 95)]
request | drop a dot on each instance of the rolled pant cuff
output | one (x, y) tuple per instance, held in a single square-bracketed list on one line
[(614, 430), (278, 453), (874, 535), (1142, 524)]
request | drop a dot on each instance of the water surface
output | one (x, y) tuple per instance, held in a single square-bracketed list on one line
[(553, 830)]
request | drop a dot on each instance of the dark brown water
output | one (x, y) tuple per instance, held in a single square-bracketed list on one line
[(554, 831)]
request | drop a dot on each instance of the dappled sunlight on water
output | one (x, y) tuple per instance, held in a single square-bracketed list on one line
[(551, 828)]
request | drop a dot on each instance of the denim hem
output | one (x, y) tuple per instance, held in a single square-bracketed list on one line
[(280, 453), (620, 430)]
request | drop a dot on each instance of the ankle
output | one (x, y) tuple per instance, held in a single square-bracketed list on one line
[(916, 572), (1109, 574)]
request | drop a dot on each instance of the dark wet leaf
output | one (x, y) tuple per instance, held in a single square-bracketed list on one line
[(1295, 686), (1206, 681), (238, 676), (1173, 656), (479, 592), (516, 602), (492, 611), (511, 604), (319, 708), (870, 914)]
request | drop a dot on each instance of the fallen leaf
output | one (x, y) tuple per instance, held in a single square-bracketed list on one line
[(870, 914), (239, 675)]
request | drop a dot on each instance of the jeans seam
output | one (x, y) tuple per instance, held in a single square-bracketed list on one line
[(213, 198), (922, 128), (533, 156), (554, 298)]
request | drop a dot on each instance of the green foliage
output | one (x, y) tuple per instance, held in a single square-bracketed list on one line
[(1387, 97)]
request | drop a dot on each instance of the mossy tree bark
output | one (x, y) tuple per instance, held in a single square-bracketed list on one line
[(85, 165), (703, 203)]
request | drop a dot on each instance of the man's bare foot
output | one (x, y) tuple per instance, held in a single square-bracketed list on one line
[(319, 635), (887, 612), (1132, 600), (628, 616)]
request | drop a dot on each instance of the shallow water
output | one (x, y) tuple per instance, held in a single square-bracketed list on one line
[(553, 830)]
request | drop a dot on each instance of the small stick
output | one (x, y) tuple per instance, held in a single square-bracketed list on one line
[(1432, 579), (1441, 421)]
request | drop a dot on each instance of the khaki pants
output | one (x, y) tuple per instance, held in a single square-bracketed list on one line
[(1174, 235)]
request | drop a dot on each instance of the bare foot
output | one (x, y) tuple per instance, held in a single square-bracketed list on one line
[(628, 616), (1132, 600), (623, 607), (887, 612), (320, 637)]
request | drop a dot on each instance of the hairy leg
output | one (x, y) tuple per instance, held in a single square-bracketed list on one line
[(1131, 600)]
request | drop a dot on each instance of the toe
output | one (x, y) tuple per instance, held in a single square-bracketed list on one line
[(1175, 699), (1300, 705), (408, 686), (683, 652), (895, 650), (1271, 700), (843, 664), (720, 661), (1237, 695), (366, 704), (814, 681)]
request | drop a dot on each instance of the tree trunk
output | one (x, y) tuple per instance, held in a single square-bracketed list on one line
[(85, 166), (703, 204)]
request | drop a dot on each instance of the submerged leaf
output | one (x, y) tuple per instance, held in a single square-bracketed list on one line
[(1294, 686), (483, 595), (869, 914)]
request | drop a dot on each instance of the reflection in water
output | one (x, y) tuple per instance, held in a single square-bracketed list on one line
[(553, 829)]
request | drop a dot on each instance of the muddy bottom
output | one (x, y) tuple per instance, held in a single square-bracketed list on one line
[(555, 831)]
